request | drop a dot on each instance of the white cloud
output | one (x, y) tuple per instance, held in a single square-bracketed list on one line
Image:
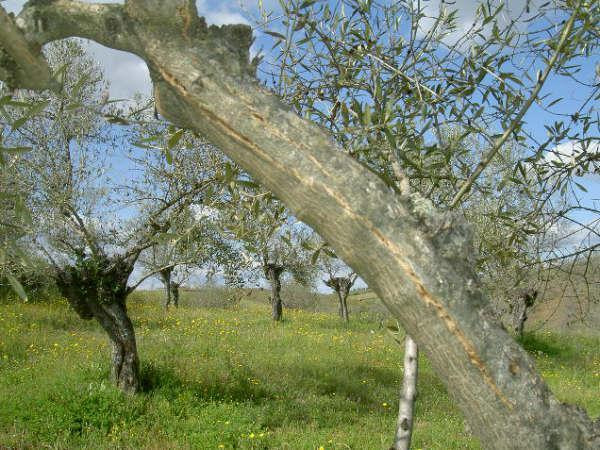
[(569, 151), (568, 236), (572, 154), (221, 13), (223, 17), (467, 14), (127, 73)]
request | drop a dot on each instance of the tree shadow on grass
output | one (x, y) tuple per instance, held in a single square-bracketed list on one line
[(67, 321), (534, 344), (236, 387), (347, 382), (362, 386)]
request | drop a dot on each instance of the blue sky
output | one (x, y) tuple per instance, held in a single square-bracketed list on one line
[(128, 74)]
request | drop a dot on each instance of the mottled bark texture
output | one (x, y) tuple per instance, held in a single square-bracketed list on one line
[(342, 286), (418, 260), (408, 395), (97, 289), (519, 307), (273, 274)]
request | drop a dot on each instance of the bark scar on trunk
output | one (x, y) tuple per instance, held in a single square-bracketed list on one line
[(173, 81), (187, 22), (450, 323), (454, 328)]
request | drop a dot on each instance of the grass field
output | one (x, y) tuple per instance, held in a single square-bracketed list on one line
[(230, 378)]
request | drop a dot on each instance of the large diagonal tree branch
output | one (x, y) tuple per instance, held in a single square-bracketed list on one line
[(413, 257)]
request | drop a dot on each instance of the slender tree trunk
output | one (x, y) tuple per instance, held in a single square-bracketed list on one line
[(519, 318), (167, 294), (418, 260), (167, 286), (165, 276), (340, 304), (408, 396), (277, 307), (345, 314), (343, 309), (520, 305), (273, 273), (343, 296)]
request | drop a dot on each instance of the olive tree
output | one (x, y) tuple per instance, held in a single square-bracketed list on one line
[(417, 103), (339, 277), (271, 239), (171, 258), (91, 250), (193, 172), (404, 83), (192, 245), (417, 259)]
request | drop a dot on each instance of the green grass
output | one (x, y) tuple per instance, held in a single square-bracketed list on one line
[(230, 378)]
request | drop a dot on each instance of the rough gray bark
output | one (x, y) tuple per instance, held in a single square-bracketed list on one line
[(273, 274), (408, 396), (100, 293), (416, 259), (342, 286), (125, 362)]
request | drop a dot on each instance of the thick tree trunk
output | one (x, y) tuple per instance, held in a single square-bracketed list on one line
[(273, 273), (125, 363), (101, 294), (419, 261), (408, 396)]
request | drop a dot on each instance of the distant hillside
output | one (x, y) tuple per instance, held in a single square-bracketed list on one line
[(565, 315), (558, 310)]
